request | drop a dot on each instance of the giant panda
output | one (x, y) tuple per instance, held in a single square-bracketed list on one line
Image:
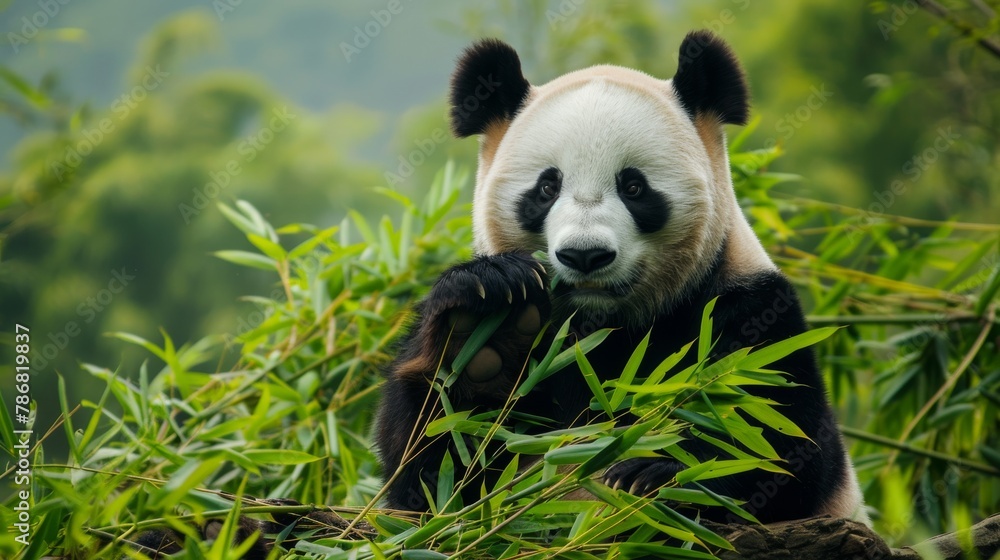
[(623, 181)]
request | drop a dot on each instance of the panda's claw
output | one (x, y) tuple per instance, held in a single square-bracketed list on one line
[(510, 296), (524, 292), (538, 277), (480, 289), (643, 475)]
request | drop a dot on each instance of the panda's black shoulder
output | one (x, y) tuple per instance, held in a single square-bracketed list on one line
[(759, 308)]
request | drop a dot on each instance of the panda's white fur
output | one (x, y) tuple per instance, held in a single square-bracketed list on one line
[(590, 126)]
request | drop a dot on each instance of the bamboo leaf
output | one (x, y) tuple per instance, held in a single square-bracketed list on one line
[(628, 374), (579, 453), (989, 292), (772, 418), (362, 224), (592, 381), (280, 456), (268, 247), (651, 550), (448, 423), (774, 352), (541, 371), (446, 482), (705, 334), (568, 356), (245, 258), (478, 339), (243, 224), (610, 453)]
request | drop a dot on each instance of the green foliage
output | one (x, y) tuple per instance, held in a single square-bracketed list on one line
[(918, 359), (292, 419), (132, 186)]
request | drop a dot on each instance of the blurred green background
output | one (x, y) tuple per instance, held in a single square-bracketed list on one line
[(124, 123)]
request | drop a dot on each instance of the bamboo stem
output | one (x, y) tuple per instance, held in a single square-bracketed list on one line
[(964, 28), (894, 218), (914, 319), (889, 442)]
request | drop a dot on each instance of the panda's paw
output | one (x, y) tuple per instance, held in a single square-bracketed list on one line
[(466, 294), (642, 476), (319, 522), (313, 524), (162, 542)]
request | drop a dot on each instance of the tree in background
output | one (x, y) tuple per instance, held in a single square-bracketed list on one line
[(128, 194)]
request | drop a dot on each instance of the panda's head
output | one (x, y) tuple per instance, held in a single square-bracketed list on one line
[(621, 178)]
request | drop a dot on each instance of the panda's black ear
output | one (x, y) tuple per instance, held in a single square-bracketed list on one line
[(709, 79), (487, 87)]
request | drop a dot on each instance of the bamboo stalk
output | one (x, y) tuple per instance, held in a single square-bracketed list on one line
[(966, 29), (914, 319), (894, 218), (889, 442)]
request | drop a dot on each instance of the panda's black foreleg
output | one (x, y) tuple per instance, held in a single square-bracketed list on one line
[(511, 283), (768, 496), (815, 467), (162, 542)]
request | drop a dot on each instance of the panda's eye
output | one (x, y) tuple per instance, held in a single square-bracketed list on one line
[(631, 183), (548, 189), (549, 183), (633, 189)]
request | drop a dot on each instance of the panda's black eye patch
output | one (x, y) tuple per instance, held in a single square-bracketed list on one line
[(649, 208), (535, 203)]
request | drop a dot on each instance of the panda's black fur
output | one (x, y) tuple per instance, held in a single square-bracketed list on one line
[(487, 86), (709, 83)]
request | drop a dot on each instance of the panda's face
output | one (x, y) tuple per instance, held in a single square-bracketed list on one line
[(609, 178)]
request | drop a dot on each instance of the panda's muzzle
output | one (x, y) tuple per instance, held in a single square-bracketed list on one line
[(586, 260)]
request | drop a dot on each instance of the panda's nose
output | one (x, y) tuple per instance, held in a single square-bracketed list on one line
[(585, 260)]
